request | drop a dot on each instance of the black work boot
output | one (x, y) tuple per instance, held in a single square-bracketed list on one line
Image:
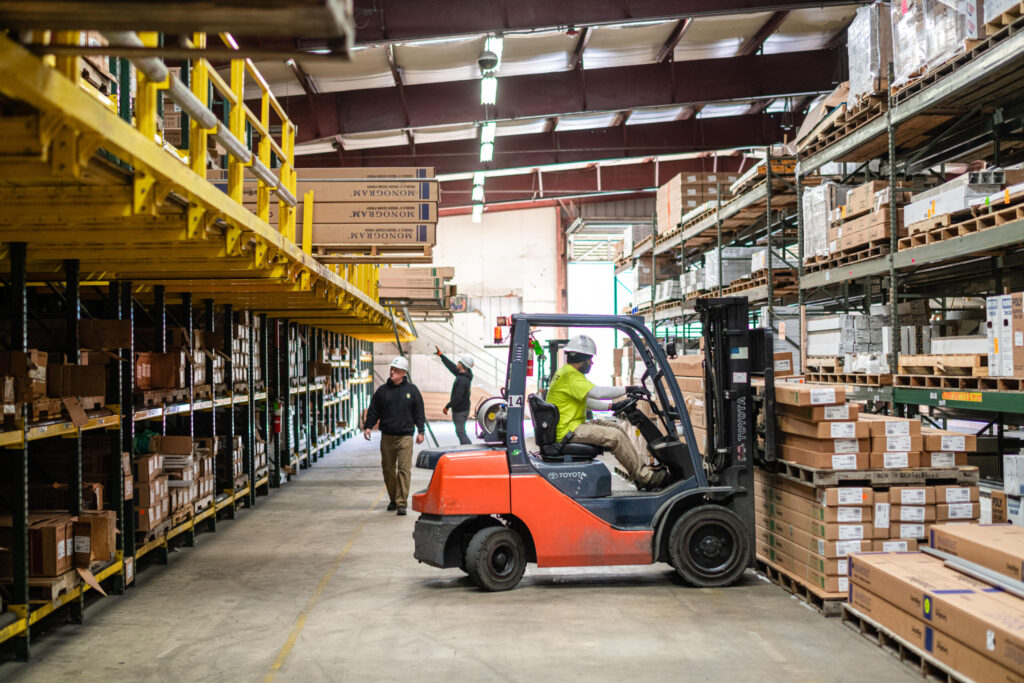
[(401, 511), (392, 506)]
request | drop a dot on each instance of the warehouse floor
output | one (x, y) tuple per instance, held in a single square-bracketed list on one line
[(318, 584)]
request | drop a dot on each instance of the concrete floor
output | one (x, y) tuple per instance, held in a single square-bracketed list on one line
[(318, 584)]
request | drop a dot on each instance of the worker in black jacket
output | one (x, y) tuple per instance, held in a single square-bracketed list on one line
[(460, 399), (398, 406)]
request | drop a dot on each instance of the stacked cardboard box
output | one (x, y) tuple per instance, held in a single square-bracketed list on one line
[(181, 470), (417, 284), (244, 330), (864, 217), (966, 624), (162, 370), (23, 380), (151, 496), (172, 114), (817, 429), (686, 192), (229, 472), (203, 455), (689, 374)]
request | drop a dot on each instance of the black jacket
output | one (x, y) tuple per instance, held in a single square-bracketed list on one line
[(398, 407), (459, 402)]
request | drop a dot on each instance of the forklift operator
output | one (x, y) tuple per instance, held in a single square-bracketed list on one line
[(573, 394)]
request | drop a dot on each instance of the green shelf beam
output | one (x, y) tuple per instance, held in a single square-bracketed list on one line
[(988, 401)]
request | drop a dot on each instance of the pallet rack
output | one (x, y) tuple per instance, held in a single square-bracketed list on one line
[(94, 204), (966, 109)]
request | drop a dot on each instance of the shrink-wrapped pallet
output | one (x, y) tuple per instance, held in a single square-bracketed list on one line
[(869, 45)]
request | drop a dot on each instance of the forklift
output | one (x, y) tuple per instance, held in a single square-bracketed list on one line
[(491, 510)]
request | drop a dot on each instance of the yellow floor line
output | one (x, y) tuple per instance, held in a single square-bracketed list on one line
[(300, 622)]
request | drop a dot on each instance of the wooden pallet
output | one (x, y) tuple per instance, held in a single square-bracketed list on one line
[(203, 503), (1005, 19), (959, 383), (929, 224), (960, 364), (842, 121), (381, 254), (864, 252), (784, 282), (202, 392), (181, 516), (48, 588), (161, 529), (150, 398), (916, 475), (172, 396), (921, 662), (823, 364), (667, 305), (857, 378), (829, 604), (1012, 210)]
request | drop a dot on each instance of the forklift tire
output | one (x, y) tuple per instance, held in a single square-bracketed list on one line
[(709, 546), (496, 558)]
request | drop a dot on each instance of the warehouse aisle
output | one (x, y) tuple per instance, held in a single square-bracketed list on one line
[(319, 584)]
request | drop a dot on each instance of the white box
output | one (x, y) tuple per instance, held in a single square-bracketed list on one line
[(1006, 335), (992, 333), (1013, 474)]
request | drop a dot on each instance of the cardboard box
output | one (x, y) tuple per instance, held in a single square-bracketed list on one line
[(886, 426), (853, 514), (915, 530), (900, 460), (364, 173), (828, 549), (63, 381), (1017, 331), (1005, 338), (948, 601), (835, 566), (1013, 474), (999, 508), (846, 412), (957, 494), (942, 440), (992, 325), (828, 531), (953, 512), (824, 461), (861, 199), (896, 444), (835, 585), (824, 430), (48, 545), (30, 365), (690, 384), (954, 654), (146, 468), (151, 492), (148, 518), (827, 496), (826, 445), (327, 234), (783, 364), (912, 495), (687, 366), (998, 547), (895, 545), (789, 393), (173, 445), (942, 459), (912, 513), (695, 408), (82, 544), (105, 335), (358, 190)]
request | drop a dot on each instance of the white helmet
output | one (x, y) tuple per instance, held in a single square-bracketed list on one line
[(401, 363), (581, 344), (466, 360)]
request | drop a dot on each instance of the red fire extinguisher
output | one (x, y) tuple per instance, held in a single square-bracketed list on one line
[(275, 418), (529, 367)]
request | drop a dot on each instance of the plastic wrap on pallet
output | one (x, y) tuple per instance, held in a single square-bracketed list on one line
[(759, 259), (818, 204), (926, 33), (735, 264), (869, 44), (642, 296), (993, 8)]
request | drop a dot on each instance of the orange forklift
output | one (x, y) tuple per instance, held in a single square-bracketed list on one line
[(492, 508)]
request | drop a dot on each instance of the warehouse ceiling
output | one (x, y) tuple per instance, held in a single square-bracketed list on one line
[(577, 82)]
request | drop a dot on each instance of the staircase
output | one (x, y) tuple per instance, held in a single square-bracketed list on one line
[(488, 370), (434, 403)]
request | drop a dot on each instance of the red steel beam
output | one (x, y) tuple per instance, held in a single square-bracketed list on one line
[(553, 94), (384, 20), (541, 149), (754, 42)]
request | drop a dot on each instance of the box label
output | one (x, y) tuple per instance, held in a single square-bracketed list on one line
[(913, 497), (844, 462), (843, 430), (822, 396), (782, 365), (739, 378), (845, 445), (82, 544), (911, 530), (844, 548), (911, 514), (897, 428), (837, 412), (895, 546), (850, 514), (844, 584), (961, 511), (962, 495), (851, 532), (895, 460), (940, 459), (953, 443), (843, 566), (881, 515), (850, 496), (898, 443), (61, 550)]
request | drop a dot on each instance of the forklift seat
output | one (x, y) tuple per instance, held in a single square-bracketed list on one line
[(545, 424)]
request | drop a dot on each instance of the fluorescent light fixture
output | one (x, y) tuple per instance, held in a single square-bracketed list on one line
[(478, 212), (495, 44), (488, 90), (478, 177), (487, 131), (486, 152), (478, 193)]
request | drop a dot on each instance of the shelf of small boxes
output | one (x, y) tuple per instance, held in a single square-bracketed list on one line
[(851, 482)]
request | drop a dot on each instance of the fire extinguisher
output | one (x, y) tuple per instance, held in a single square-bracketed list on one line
[(529, 367), (275, 418)]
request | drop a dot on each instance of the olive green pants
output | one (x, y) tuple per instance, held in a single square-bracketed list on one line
[(396, 461), (611, 435)]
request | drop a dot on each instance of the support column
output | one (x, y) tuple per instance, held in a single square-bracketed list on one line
[(128, 408), (190, 384), (210, 321), (229, 427), (72, 352), (115, 482), (19, 519)]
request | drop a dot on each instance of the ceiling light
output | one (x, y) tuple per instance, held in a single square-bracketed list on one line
[(488, 90), (478, 212), (495, 44), (487, 131), (478, 178), (478, 193), (486, 152)]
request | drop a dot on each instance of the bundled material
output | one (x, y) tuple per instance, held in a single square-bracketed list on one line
[(667, 291), (926, 33), (734, 263), (818, 204), (869, 45), (759, 259)]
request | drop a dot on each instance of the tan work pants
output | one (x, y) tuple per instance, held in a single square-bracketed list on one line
[(611, 435), (396, 461)]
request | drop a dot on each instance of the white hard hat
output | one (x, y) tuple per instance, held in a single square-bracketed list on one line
[(581, 344), (466, 360), (401, 363)]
